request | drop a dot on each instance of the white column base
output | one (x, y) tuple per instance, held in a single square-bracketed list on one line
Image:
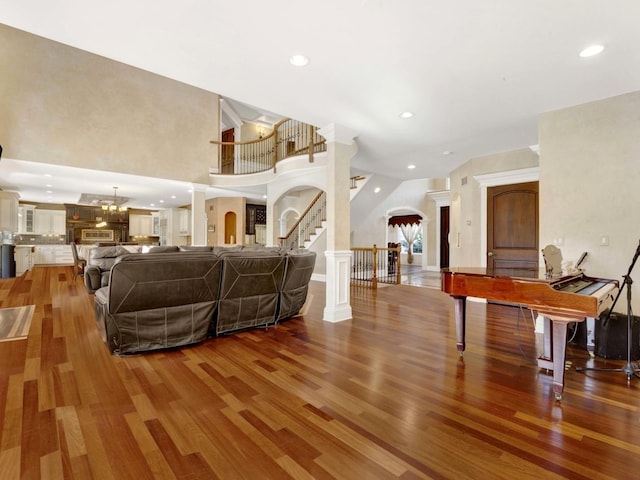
[(338, 287)]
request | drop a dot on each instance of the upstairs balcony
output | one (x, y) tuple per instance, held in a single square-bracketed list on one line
[(289, 138)]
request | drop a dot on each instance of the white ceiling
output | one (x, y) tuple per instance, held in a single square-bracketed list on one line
[(476, 74)]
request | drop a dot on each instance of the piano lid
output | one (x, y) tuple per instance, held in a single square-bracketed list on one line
[(520, 273)]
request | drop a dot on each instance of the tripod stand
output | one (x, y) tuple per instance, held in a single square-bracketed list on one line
[(630, 368)]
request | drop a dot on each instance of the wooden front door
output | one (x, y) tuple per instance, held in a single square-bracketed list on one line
[(512, 229)]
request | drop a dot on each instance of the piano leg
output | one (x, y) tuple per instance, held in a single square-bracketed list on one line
[(553, 354), (460, 312), (559, 352)]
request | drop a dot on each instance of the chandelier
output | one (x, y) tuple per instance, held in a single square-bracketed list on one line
[(114, 207)]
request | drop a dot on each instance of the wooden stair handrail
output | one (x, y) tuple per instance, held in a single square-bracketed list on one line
[(303, 218)]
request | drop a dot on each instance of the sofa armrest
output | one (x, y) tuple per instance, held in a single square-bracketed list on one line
[(92, 278)]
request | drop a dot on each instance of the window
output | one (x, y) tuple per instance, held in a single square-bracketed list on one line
[(417, 243)]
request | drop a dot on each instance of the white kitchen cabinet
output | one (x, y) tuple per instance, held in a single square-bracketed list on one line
[(140, 225), (185, 221), (169, 227), (155, 224), (9, 211), (26, 219), (44, 255), (51, 222), (52, 255), (63, 255), (24, 259)]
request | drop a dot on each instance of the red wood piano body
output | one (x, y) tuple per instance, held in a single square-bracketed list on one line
[(559, 300)]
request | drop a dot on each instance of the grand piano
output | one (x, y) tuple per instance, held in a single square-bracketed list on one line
[(557, 301)]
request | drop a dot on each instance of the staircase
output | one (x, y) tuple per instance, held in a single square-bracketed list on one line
[(309, 226), (313, 222)]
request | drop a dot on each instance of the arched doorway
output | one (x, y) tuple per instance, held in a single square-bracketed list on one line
[(230, 220), (288, 220)]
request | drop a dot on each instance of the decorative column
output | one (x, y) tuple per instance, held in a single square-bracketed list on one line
[(340, 149), (272, 211), (198, 216)]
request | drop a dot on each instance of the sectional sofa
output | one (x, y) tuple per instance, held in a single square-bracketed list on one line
[(164, 299)]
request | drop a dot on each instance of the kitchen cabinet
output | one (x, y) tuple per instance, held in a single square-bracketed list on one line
[(185, 222), (9, 211), (140, 225), (24, 259), (169, 227), (155, 224), (51, 222), (44, 255), (52, 255), (26, 219)]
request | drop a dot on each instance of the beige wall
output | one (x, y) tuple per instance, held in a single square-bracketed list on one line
[(465, 228), (590, 184), (216, 209), (65, 106)]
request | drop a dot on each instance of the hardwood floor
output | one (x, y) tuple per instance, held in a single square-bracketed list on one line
[(382, 396)]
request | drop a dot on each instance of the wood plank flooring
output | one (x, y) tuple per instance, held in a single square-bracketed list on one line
[(382, 396)]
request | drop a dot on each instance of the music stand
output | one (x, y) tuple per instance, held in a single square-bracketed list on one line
[(630, 368)]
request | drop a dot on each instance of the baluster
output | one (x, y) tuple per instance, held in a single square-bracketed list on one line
[(310, 134)]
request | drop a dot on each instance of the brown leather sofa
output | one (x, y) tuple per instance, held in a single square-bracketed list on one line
[(178, 298)]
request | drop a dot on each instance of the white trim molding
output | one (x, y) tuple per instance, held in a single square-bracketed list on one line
[(338, 287), (442, 198)]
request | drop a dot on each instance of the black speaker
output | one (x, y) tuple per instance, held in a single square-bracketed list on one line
[(611, 336)]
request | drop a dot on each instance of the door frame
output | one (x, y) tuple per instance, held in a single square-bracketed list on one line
[(493, 180), (441, 199)]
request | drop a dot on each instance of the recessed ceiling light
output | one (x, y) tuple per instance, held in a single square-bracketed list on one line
[(152, 204), (447, 152), (377, 190), (592, 50), (406, 115), (161, 201), (173, 196), (411, 167), (299, 60)]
